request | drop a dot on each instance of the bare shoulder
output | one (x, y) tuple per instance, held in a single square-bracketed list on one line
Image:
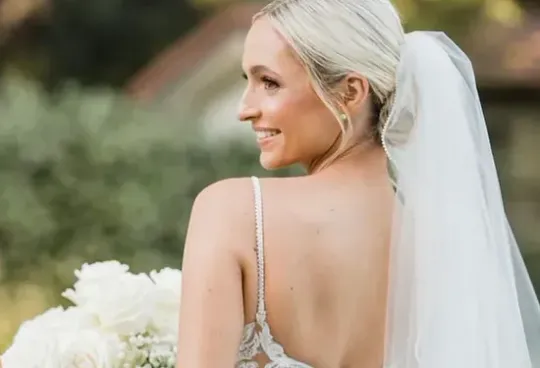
[(234, 197), (223, 215), (284, 186), (229, 195)]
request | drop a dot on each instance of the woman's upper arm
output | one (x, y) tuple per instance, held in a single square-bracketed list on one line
[(212, 311)]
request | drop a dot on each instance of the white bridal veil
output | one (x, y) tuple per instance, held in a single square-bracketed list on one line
[(460, 295)]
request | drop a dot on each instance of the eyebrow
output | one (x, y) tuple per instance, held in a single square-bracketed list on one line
[(258, 69)]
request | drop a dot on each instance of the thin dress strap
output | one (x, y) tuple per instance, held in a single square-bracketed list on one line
[(261, 307)]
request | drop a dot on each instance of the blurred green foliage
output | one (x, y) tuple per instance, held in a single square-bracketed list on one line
[(88, 176)]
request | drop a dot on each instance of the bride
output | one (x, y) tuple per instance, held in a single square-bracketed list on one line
[(395, 249)]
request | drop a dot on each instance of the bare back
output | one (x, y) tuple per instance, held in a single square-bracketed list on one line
[(326, 253)]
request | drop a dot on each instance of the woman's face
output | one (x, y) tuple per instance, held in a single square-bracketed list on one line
[(291, 123)]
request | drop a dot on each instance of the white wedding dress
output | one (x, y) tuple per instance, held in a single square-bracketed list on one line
[(257, 339)]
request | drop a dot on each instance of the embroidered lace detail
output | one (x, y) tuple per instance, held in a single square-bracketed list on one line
[(251, 343), (257, 338)]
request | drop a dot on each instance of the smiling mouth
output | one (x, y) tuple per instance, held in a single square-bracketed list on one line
[(263, 134)]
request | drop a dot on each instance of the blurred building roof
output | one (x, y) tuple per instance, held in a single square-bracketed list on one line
[(502, 55), (190, 51), (13, 13), (506, 56)]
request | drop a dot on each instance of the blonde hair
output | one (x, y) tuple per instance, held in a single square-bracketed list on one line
[(333, 38)]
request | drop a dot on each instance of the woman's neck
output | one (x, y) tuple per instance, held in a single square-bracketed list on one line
[(366, 155)]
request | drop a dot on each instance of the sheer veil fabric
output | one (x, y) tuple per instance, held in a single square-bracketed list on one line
[(459, 295)]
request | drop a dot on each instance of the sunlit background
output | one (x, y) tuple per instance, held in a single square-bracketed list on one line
[(116, 113)]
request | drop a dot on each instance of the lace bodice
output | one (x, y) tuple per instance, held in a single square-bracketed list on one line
[(257, 337)]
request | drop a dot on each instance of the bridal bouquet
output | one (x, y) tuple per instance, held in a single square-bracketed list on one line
[(118, 320)]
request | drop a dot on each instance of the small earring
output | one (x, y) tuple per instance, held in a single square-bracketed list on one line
[(343, 117)]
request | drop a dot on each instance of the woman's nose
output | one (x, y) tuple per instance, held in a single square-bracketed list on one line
[(247, 113)]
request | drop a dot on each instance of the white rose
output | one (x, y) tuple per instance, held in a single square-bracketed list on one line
[(36, 350), (89, 349), (70, 319), (38, 341), (99, 270), (124, 304), (168, 293), (91, 278), (55, 320)]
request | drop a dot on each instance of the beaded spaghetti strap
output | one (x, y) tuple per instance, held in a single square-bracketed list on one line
[(261, 307), (257, 338)]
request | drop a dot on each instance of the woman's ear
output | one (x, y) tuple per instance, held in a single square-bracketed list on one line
[(354, 92)]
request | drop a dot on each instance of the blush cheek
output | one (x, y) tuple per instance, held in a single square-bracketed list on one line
[(301, 117), (278, 113)]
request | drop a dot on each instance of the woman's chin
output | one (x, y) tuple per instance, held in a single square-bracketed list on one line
[(271, 161)]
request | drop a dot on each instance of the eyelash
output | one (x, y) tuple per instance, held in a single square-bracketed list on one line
[(269, 83)]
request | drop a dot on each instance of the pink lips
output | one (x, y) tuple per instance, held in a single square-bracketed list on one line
[(265, 136)]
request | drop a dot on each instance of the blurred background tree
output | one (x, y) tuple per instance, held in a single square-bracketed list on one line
[(98, 42), (104, 42), (88, 176)]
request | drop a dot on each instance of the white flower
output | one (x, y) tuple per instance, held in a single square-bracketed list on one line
[(148, 350), (55, 320), (99, 270), (119, 318), (121, 301), (38, 343), (168, 292), (89, 349), (169, 280), (70, 319), (36, 350), (91, 277), (123, 305)]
